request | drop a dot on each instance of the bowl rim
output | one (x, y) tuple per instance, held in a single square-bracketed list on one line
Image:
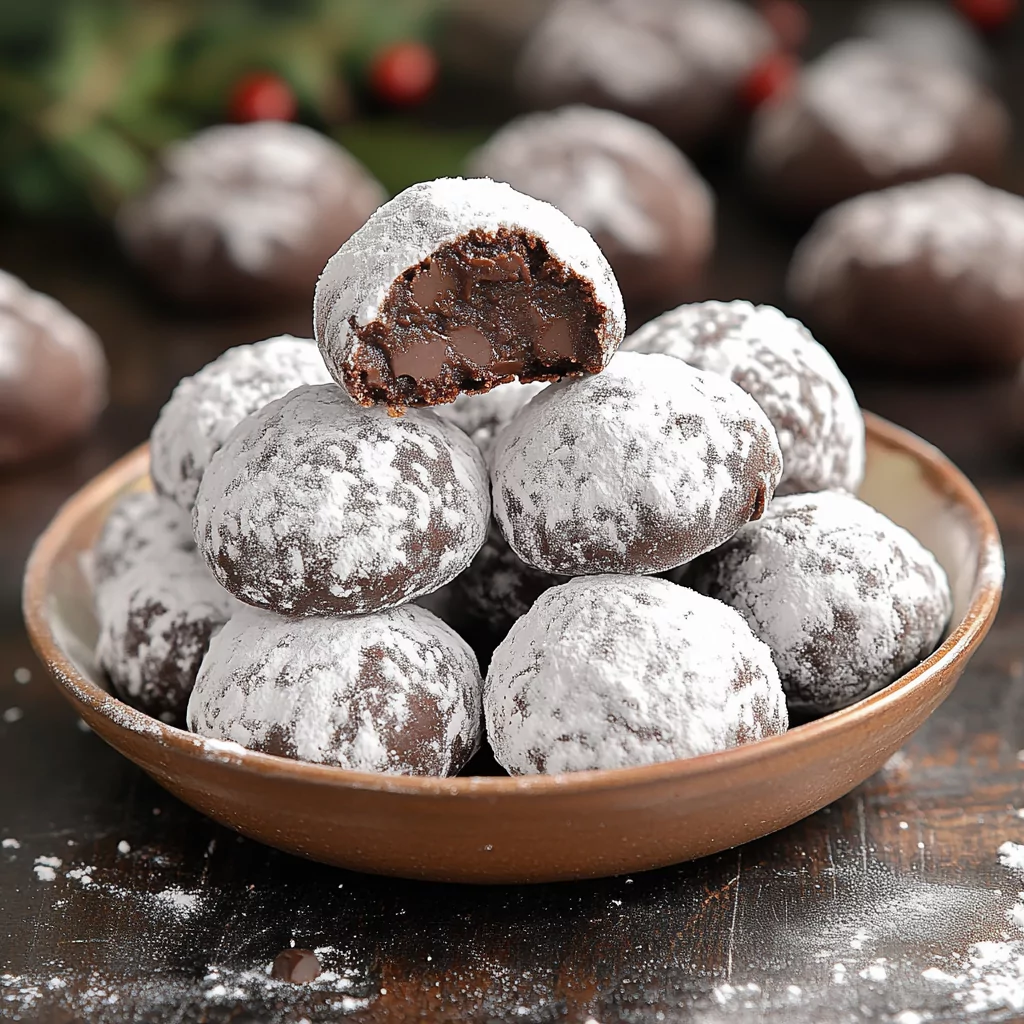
[(986, 591)]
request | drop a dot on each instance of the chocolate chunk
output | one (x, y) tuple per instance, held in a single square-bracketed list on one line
[(299, 966)]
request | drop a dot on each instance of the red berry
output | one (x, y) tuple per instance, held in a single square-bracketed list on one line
[(773, 77), (404, 74), (261, 96), (988, 15), (788, 21)]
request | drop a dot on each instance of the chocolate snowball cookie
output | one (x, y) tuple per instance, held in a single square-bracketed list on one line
[(613, 671), (207, 406), (397, 692), (243, 214), (648, 209), (676, 64), (139, 524), (925, 275), (846, 599), (458, 285), (790, 376), (484, 416), (864, 117), (317, 506), (53, 374), (156, 619), (637, 470)]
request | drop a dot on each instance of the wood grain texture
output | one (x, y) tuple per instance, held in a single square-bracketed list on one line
[(859, 913)]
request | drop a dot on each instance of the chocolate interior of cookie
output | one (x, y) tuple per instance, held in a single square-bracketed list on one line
[(480, 311)]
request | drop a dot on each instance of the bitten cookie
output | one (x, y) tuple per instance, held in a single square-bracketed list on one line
[(138, 525), (317, 506), (636, 470), (244, 214), (790, 376), (648, 209), (458, 285), (923, 275), (846, 599), (207, 406), (156, 619), (676, 64), (53, 374), (864, 117), (613, 671), (396, 692)]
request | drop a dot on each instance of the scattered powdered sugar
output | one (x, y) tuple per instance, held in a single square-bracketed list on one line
[(46, 868), (206, 407), (408, 229), (155, 622), (791, 377), (254, 189), (962, 227), (578, 158), (395, 692), (647, 670), (484, 416), (124, 847), (316, 505), (641, 52), (894, 114), (637, 469), (11, 844), (846, 599), (1011, 855), (81, 875), (139, 524)]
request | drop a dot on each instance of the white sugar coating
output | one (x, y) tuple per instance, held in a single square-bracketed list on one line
[(405, 231), (484, 416), (138, 523), (254, 189), (316, 505), (846, 599), (207, 406), (612, 671), (638, 469), (1011, 855), (966, 231), (576, 158), (395, 692), (641, 51), (792, 378), (156, 619), (893, 113)]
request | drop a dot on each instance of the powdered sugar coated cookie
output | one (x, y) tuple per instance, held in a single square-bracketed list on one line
[(207, 406), (613, 671), (792, 378), (846, 599), (396, 692), (636, 470), (317, 506)]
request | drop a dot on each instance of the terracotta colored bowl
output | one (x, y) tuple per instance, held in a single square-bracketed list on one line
[(542, 828)]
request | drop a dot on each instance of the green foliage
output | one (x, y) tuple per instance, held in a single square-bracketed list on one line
[(91, 90)]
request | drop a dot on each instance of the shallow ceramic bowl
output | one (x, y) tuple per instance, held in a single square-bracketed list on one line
[(541, 828)]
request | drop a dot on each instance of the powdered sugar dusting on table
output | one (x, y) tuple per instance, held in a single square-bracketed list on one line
[(592, 472), (960, 226), (317, 498), (206, 407), (611, 671), (341, 691), (791, 377), (892, 113), (405, 231)]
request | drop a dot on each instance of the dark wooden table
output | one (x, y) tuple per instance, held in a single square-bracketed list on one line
[(119, 904)]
